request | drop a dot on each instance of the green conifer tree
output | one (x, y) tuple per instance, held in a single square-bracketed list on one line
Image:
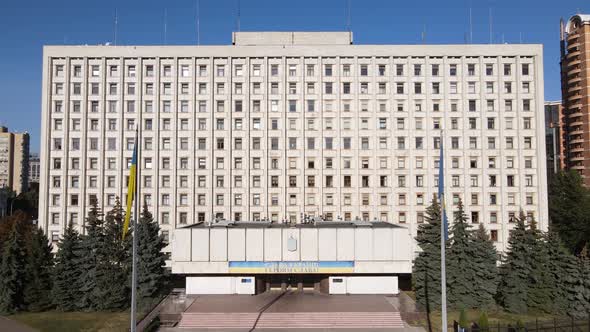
[(12, 270), (484, 261), (91, 260), (67, 273), (115, 262), (152, 275), (539, 297), (515, 270), (37, 293), (461, 272), (426, 268)]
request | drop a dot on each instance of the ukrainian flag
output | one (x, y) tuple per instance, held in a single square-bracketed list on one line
[(131, 189)]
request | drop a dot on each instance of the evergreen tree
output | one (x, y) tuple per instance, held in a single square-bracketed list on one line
[(514, 273), (539, 295), (12, 270), (569, 209), (426, 268), (90, 259), (115, 263), (67, 273), (584, 268), (461, 272), (484, 260), (37, 293), (151, 272)]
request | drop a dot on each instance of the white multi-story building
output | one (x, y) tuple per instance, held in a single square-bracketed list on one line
[(283, 124)]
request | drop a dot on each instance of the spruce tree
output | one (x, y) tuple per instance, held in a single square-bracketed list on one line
[(539, 295), (37, 293), (90, 259), (12, 270), (115, 262), (484, 261), (584, 268), (67, 273), (426, 268), (564, 281), (514, 272), (151, 272), (460, 269)]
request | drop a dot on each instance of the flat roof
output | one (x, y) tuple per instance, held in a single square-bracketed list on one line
[(322, 224)]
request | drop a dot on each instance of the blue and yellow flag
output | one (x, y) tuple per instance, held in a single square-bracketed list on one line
[(131, 189), (441, 190)]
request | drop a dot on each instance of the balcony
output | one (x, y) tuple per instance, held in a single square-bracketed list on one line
[(574, 88), (571, 37), (574, 80), (577, 149), (577, 158), (574, 97), (573, 62), (576, 123), (574, 71), (573, 45), (573, 54)]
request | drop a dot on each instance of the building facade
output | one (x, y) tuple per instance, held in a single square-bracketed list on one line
[(575, 80), (279, 126), (14, 160), (554, 137), (34, 168)]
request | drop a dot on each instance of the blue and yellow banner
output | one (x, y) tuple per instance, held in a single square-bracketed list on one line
[(291, 267), (131, 189)]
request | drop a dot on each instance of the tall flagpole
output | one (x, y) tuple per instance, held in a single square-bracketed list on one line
[(134, 253), (443, 268)]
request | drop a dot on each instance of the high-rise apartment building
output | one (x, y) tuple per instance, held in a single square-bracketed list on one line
[(281, 125), (14, 160), (575, 81), (554, 137)]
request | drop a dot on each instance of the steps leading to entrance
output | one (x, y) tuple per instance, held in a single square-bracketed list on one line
[(277, 320)]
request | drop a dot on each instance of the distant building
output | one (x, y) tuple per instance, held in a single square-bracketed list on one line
[(575, 82), (34, 168), (554, 137), (14, 160)]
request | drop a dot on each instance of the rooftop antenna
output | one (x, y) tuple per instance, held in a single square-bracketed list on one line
[(520, 38), (491, 30), (198, 22), (348, 16), (116, 22), (239, 13), (503, 42), (470, 27), (165, 26), (424, 34)]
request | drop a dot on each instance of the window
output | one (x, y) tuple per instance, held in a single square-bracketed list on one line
[(525, 69), (417, 70)]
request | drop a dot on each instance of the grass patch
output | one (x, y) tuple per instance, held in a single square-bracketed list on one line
[(53, 321), (494, 317)]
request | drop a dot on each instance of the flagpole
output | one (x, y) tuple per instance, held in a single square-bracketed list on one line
[(134, 253), (443, 268)]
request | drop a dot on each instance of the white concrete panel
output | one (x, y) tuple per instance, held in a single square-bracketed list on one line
[(363, 239), (199, 267), (210, 285), (309, 244), (245, 285), (337, 285), (382, 267), (236, 244), (181, 249), (327, 244), (272, 244), (218, 244), (200, 244), (372, 285), (345, 244), (254, 244), (291, 244), (382, 244), (402, 244)]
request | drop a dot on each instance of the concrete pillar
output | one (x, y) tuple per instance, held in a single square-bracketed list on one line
[(300, 286), (283, 286)]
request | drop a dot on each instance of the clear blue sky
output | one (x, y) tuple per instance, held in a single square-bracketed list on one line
[(25, 26)]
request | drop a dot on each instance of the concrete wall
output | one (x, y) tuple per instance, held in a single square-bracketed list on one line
[(373, 250)]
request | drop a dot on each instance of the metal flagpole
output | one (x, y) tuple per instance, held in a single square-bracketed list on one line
[(134, 253), (443, 272)]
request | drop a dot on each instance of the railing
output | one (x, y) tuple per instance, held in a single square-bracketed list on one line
[(570, 325)]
